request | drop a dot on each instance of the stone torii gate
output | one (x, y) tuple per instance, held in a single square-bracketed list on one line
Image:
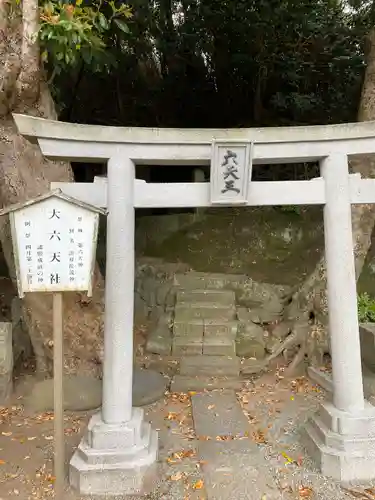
[(118, 450)]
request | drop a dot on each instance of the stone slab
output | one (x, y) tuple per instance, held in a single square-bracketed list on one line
[(219, 346), (218, 413), (192, 326), (185, 383), (253, 366), (221, 328), (187, 346), (207, 297), (249, 348), (235, 470), (187, 313), (85, 393), (210, 366), (134, 475)]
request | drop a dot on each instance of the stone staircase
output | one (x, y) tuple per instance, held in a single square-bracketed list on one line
[(204, 334), (204, 323)]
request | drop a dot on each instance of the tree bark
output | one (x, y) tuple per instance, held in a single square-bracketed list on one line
[(310, 301), (24, 173)]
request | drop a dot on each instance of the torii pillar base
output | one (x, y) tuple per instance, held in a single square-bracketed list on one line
[(342, 444), (116, 459)]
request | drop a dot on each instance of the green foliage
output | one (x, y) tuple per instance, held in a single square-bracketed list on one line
[(291, 209), (366, 308), (73, 33)]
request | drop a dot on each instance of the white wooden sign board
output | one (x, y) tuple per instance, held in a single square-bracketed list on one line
[(231, 165), (54, 246)]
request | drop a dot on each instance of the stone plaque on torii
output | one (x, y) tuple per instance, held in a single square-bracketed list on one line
[(349, 420)]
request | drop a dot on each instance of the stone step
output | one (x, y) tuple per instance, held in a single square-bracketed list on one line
[(220, 328), (187, 345), (187, 313), (199, 298), (210, 366), (219, 346), (199, 280), (185, 383), (218, 413), (194, 327)]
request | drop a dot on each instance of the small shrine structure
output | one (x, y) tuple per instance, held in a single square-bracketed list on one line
[(119, 450)]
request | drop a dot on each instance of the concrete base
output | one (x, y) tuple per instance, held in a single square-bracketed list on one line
[(343, 445), (115, 459)]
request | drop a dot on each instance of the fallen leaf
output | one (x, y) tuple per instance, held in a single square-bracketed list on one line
[(49, 438), (2, 462), (7, 434), (198, 485), (305, 492), (370, 491), (177, 476), (210, 407), (355, 494)]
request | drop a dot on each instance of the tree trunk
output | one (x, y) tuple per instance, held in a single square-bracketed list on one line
[(310, 301), (24, 173)]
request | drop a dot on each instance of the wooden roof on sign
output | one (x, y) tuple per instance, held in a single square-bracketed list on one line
[(56, 193)]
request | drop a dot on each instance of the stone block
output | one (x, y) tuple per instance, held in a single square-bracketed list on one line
[(218, 413), (187, 346), (249, 348), (159, 341), (118, 467), (206, 311), (211, 297), (219, 346), (253, 366), (102, 436), (210, 366), (348, 457), (185, 383), (220, 328), (190, 327), (6, 361)]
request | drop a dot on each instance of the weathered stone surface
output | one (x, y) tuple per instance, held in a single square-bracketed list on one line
[(282, 330), (186, 312), (210, 297), (141, 310), (237, 470), (246, 289), (80, 394), (272, 344), (253, 366), (163, 292), (159, 341), (192, 326), (184, 383), (210, 366), (251, 331), (148, 386), (367, 338), (219, 346), (249, 348), (221, 328), (187, 345), (218, 413), (6, 361), (85, 393)]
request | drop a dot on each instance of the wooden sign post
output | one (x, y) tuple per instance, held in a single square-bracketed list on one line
[(54, 243)]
